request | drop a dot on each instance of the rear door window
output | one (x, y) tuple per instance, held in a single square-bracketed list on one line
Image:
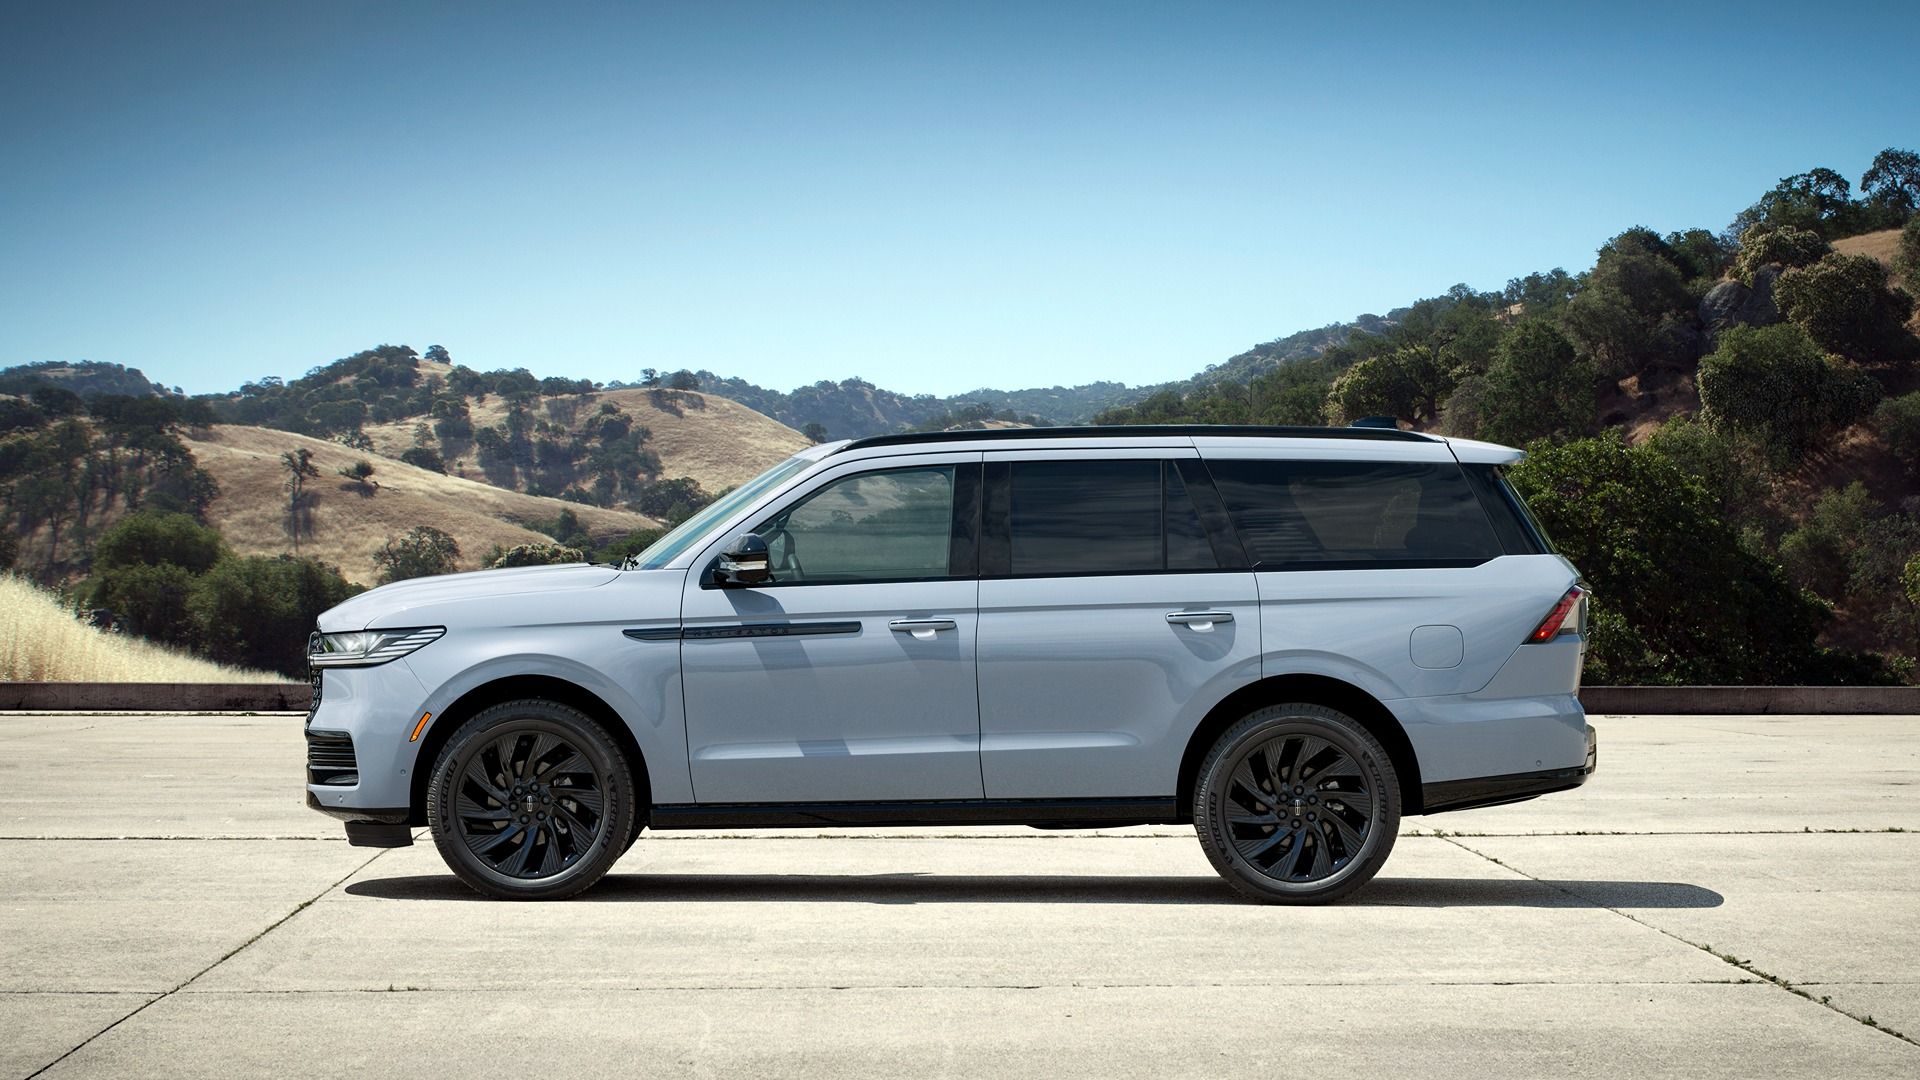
[(1126, 516), (1348, 515)]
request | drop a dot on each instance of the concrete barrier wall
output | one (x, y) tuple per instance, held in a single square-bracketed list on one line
[(292, 697), (1750, 700), (155, 697)]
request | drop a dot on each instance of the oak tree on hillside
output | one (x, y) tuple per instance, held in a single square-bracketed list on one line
[(1775, 386), (1848, 306)]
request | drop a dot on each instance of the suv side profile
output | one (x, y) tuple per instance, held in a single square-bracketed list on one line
[(1287, 637)]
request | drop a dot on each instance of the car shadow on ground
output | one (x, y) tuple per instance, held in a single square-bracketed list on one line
[(1063, 889)]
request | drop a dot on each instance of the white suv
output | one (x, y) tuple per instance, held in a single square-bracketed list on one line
[(1288, 637)]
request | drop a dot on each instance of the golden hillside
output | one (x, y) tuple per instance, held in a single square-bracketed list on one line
[(349, 526), (1882, 245), (714, 440)]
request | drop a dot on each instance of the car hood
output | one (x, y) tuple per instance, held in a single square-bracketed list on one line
[(388, 605)]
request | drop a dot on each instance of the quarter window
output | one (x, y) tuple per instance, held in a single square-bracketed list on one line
[(878, 526), (1342, 515)]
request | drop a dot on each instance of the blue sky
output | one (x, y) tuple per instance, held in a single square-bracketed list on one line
[(932, 197)]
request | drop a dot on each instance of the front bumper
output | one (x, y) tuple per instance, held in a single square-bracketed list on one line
[(1517, 787), (360, 754)]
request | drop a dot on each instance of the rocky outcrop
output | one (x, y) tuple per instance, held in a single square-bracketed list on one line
[(1732, 304)]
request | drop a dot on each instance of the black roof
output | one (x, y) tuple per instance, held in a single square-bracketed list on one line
[(1372, 434)]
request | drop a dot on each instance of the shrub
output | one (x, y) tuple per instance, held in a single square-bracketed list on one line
[(1678, 597), (257, 611), (1846, 304), (1786, 246), (148, 539), (150, 600), (536, 555), (423, 552), (1899, 422), (424, 457), (1536, 388), (1772, 384)]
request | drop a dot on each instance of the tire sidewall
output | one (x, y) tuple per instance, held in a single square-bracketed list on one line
[(1210, 800), (586, 736)]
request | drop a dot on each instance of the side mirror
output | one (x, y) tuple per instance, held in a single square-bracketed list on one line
[(743, 563)]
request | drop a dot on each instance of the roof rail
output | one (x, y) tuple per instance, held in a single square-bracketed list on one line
[(1280, 431)]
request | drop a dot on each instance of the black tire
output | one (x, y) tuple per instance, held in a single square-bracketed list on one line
[(531, 800), (1336, 826)]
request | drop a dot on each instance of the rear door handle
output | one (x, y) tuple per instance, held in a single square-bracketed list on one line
[(921, 629), (1199, 620)]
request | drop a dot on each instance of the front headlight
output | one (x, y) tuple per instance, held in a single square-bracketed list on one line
[(365, 648)]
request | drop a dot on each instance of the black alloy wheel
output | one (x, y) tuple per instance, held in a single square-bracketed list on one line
[(531, 800), (1297, 803)]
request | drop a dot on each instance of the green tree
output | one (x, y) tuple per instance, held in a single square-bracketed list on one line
[(360, 475), (672, 501), (535, 555), (1537, 387), (1819, 199), (1846, 303), (424, 457), (299, 467), (1907, 259), (151, 539), (1731, 470), (815, 432), (1892, 182), (1785, 245), (257, 611), (1636, 311), (423, 552), (1898, 420), (1773, 385), (1408, 384), (150, 600), (1678, 597), (1817, 551)]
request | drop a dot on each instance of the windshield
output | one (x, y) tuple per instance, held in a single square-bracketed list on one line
[(690, 531)]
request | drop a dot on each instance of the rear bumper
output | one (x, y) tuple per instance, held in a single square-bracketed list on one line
[(1516, 787)]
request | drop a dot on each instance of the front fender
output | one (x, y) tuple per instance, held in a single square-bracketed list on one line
[(638, 680)]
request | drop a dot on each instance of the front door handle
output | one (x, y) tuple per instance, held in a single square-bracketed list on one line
[(921, 629), (1199, 620)]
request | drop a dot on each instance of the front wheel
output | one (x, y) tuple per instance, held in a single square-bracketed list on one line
[(1297, 804), (531, 800)]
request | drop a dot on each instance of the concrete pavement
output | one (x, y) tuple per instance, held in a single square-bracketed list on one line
[(174, 911)]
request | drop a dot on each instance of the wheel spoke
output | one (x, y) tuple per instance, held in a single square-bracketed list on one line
[(470, 810), (1350, 839)]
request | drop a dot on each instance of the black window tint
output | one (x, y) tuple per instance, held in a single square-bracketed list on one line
[(1187, 544), (1331, 515), (1080, 517), (1504, 510)]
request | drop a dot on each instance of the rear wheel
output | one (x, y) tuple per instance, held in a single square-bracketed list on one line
[(1297, 804), (531, 800)]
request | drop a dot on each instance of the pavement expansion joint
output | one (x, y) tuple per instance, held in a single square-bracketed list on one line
[(228, 955), (1728, 958)]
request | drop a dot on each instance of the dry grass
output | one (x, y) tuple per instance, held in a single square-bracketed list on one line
[(347, 526), (1882, 245), (716, 441), (41, 641)]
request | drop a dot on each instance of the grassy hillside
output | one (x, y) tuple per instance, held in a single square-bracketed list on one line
[(348, 525), (709, 439), (41, 641)]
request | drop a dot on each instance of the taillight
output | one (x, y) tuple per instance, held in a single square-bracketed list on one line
[(1563, 619)]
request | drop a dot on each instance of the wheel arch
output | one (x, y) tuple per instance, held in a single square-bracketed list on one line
[(1313, 689), (512, 688)]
